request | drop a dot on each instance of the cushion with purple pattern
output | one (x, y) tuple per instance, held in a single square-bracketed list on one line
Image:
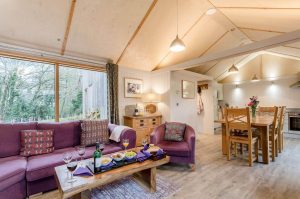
[(174, 131), (94, 131), (36, 142)]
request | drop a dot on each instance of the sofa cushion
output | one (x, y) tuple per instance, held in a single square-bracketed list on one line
[(94, 131), (12, 170), (174, 131), (42, 166), (175, 148), (36, 142), (66, 134), (10, 137)]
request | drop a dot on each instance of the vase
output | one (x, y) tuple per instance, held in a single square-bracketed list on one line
[(253, 110)]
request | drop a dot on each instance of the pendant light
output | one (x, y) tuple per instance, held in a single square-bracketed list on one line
[(233, 69), (177, 44)]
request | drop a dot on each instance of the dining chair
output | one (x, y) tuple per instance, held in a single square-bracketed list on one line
[(273, 131), (238, 120), (280, 129)]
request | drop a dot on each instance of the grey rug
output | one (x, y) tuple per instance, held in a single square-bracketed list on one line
[(128, 188)]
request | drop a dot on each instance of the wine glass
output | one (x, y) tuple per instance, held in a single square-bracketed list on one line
[(144, 142), (125, 143), (71, 167), (101, 147), (67, 157), (81, 152)]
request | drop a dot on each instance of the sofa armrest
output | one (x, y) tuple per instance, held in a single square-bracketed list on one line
[(126, 134), (157, 135), (189, 137)]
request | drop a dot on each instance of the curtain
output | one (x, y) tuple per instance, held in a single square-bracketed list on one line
[(112, 91)]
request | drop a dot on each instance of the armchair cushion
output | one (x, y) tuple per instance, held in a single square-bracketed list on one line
[(180, 149), (174, 131)]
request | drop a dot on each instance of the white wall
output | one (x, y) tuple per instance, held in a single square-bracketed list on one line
[(206, 122), (185, 110), (168, 85), (161, 84), (131, 73), (268, 94)]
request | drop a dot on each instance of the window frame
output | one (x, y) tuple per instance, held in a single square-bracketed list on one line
[(56, 64)]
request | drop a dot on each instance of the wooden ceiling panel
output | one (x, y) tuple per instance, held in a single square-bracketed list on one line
[(197, 42), (35, 24), (102, 28), (152, 42), (257, 35), (267, 19), (257, 3)]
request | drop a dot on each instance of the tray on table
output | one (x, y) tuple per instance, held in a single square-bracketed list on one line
[(117, 164)]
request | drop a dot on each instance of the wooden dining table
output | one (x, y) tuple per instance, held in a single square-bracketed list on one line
[(262, 123)]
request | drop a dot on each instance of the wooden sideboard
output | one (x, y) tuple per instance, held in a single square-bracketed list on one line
[(143, 125)]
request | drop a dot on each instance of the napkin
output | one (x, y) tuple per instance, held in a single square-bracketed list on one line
[(160, 152), (107, 167), (141, 157), (146, 147), (82, 171)]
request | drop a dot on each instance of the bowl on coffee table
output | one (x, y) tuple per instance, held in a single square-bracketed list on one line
[(118, 156)]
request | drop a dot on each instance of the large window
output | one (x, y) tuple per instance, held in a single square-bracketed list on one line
[(28, 92), (82, 94)]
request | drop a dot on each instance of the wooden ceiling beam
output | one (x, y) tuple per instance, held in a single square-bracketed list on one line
[(238, 51), (69, 22), (137, 29), (261, 30)]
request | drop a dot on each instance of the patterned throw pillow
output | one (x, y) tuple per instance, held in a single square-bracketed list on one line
[(36, 142), (94, 131), (174, 131)]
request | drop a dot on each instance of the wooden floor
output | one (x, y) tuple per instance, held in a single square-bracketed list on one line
[(215, 177)]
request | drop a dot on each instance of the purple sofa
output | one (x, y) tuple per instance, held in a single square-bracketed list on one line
[(21, 176), (179, 152)]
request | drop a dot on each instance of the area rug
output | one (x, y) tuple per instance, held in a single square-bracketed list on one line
[(128, 188)]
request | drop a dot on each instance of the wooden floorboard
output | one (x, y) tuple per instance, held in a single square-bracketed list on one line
[(215, 177)]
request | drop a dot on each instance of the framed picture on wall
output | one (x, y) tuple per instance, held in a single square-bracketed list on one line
[(188, 89), (133, 87)]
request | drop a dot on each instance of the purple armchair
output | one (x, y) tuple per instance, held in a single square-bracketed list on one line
[(179, 152)]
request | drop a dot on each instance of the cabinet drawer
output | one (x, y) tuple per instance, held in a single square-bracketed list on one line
[(140, 123)]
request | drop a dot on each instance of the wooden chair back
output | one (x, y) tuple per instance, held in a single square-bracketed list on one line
[(266, 110), (276, 120), (238, 119), (281, 118)]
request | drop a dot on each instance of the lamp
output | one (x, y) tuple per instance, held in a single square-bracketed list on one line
[(177, 44), (151, 98), (233, 69)]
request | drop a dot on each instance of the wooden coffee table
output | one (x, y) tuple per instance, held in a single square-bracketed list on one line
[(145, 172)]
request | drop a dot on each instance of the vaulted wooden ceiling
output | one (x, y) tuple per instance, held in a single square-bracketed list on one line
[(137, 33)]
